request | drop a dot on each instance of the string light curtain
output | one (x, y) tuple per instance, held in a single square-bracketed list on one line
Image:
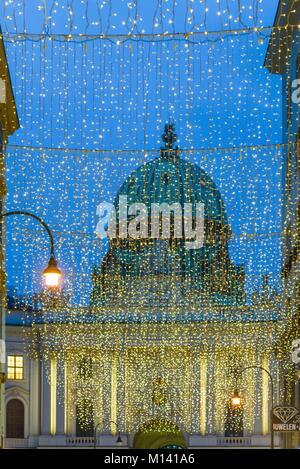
[(93, 112), (93, 109)]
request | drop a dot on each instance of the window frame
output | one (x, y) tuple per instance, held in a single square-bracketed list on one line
[(15, 368)]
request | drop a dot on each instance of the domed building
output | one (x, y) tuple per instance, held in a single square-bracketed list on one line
[(182, 311), (162, 269), (169, 332)]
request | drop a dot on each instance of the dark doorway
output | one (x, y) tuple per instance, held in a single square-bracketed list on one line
[(15, 419)]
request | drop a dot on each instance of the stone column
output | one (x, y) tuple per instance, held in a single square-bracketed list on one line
[(265, 411), (34, 398), (114, 388), (203, 393), (60, 403), (45, 401)]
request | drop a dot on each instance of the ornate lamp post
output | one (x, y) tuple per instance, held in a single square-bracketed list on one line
[(119, 440), (236, 399)]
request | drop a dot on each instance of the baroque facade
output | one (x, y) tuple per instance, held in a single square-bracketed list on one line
[(158, 354)]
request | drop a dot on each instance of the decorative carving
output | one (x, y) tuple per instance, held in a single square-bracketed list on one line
[(17, 392)]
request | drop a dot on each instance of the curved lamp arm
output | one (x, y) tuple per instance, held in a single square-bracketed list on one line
[(52, 273), (272, 394), (32, 215), (96, 428), (263, 369)]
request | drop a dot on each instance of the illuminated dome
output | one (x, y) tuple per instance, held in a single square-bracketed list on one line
[(170, 179)]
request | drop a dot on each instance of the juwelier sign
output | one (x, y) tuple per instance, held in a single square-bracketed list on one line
[(286, 419)]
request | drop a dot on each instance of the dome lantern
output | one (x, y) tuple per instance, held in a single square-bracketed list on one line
[(169, 138)]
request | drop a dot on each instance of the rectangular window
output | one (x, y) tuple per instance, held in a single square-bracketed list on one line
[(15, 367)]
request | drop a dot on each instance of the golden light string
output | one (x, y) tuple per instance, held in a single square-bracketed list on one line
[(139, 317), (122, 39)]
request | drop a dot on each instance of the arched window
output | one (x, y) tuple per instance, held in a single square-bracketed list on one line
[(15, 419)]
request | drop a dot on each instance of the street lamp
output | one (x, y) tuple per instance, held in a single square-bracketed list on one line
[(52, 274), (119, 440), (236, 399)]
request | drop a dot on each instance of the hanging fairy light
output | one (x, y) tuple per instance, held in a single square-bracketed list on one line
[(93, 99)]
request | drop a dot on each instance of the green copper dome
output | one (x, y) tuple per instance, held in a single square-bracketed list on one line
[(174, 180), (207, 269), (171, 179)]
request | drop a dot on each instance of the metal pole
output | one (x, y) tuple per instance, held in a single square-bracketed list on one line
[(272, 395), (96, 427), (95, 435)]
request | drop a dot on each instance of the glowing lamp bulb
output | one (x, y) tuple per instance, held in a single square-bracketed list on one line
[(52, 274), (236, 399)]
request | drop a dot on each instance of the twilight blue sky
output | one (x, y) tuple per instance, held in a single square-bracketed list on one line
[(90, 107)]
